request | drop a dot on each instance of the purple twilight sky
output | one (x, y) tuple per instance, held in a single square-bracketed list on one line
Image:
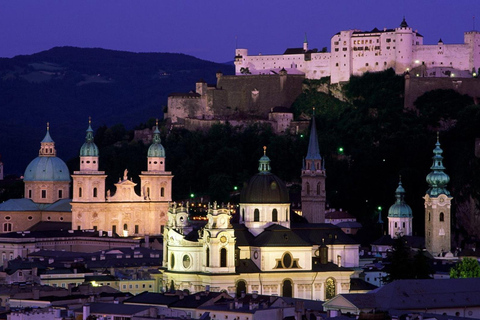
[(208, 29)]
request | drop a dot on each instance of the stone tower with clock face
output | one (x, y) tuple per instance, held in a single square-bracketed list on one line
[(437, 207)]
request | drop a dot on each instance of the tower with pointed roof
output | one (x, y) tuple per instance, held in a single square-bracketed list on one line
[(400, 215), (437, 207), (313, 181), (89, 182), (156, 182), (47, 178)]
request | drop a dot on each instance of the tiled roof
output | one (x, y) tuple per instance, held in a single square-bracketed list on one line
[(28, 205), (276, 235), (318, 233)]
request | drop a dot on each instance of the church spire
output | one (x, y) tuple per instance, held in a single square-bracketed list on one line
[(437, 179), (313, 152)]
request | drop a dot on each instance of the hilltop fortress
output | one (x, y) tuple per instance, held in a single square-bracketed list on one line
[(354, 52)]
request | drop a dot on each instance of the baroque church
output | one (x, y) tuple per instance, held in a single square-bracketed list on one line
[(122, 211), (265, 252)]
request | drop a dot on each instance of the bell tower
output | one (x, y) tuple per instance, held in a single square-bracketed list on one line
[(313, 181), (89, 182), (437, 207)]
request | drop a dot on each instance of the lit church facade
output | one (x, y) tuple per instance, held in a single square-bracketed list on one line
[(122, 211), (265, 252)]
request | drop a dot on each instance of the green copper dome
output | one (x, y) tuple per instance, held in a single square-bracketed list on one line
[(400, 209), (47, 167), (264, 187), (89, 148), (437, 179), (156, 149)]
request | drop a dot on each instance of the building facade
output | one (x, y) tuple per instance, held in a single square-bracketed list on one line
[(354, 52), (121, 211), (263, 253)]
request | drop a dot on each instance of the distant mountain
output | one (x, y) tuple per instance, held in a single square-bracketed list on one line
[(66, 85)]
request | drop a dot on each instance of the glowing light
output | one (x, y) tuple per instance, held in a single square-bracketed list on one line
[(379, 208), (192, 195), (417, 61)]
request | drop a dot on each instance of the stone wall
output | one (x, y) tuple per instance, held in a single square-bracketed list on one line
[(417, 86)]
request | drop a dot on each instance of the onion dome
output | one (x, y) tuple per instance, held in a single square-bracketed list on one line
[(437, 179), (89, 148), (156, 149), (265, 187), (47, 167), (400, 209)]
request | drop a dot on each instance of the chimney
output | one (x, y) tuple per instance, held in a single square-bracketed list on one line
[(86, 311), (147, 241), (36, 293)]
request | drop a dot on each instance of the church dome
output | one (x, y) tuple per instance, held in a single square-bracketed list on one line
[(400, 209), (265, 187), (47, 167), (156, 149), (89, 148)]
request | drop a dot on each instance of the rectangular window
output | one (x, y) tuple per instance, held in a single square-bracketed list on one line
[(114, 229), (136, 228), (60, 194), (30, 194), (44, 194)]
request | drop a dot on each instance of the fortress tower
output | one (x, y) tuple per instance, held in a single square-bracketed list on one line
[(437, 207)]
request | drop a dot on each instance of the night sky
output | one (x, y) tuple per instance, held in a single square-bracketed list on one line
[(211, 29)]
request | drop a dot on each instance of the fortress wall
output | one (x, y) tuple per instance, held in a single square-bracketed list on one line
[(417, 86), (257, 94)]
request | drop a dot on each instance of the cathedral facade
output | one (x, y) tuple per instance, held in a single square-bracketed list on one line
[(122, 210)]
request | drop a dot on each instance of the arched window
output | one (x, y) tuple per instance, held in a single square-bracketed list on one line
[(7, 227), (429, 216), (287, 288), (162, 192), (330, 289), (441, 217), (307, 186), (223, 258), (274, 215), (148, 192), (125, 227), (319, 188), (79, 192), (256, 215), (207, 262), (241, 287), (172, 261), (95, 192), (395, 224)]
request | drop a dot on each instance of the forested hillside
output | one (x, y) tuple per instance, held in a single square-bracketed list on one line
[(66, 85)]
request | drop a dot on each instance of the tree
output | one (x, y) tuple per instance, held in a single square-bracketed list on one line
[(466, 268)]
